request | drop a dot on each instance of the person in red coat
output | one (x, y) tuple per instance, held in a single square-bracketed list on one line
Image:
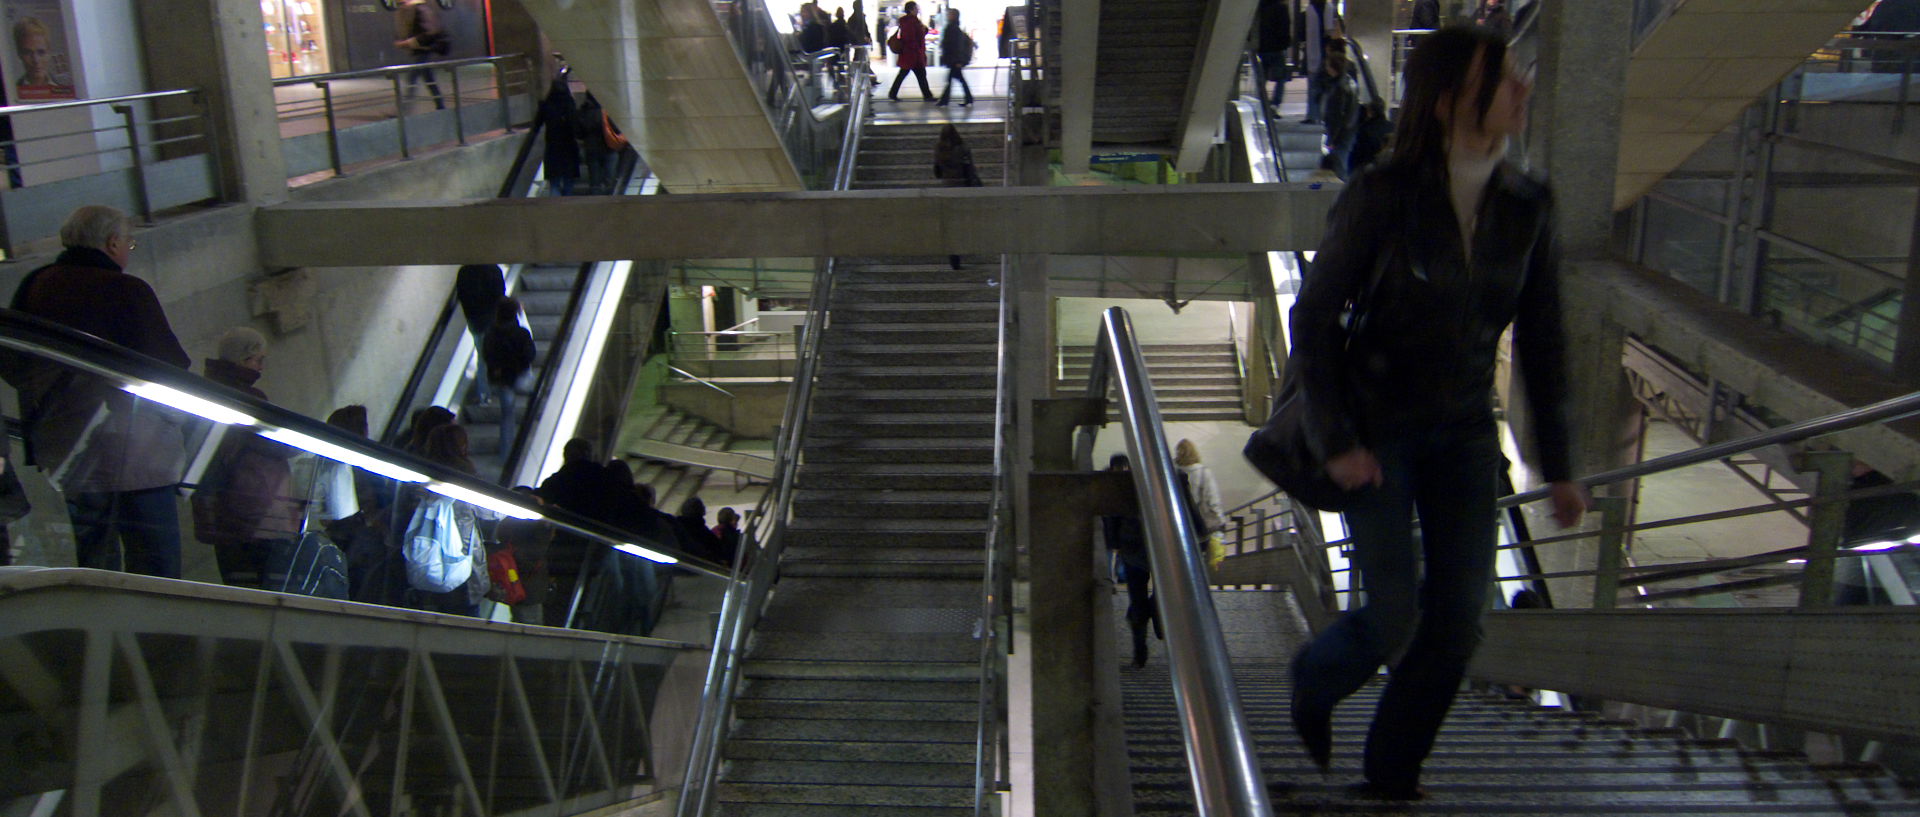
[(909, 40)]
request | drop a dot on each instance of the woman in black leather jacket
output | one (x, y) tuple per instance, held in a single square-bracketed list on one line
[(1430, 254)]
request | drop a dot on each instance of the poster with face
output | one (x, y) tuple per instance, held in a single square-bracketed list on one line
[(37, 55)]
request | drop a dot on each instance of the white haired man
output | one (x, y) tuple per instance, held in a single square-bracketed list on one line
[(119, 475)]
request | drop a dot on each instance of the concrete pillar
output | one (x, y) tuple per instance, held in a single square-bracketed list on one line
[(1584, 50), (219, 47), (1370, 24), (1029, 355)]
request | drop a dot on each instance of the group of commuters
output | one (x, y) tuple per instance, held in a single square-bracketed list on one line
[(578, 133), (276, 517), (909, 45), (819, 32)]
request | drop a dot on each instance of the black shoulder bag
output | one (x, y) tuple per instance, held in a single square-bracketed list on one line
[(1282, 448)]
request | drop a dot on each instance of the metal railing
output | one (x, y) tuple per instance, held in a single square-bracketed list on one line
[(141, 153), (791, 85), (332, 121), (992, 746), (1220, 750), (763, 539)]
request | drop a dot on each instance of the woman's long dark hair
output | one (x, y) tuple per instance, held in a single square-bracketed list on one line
[(1440, 66)]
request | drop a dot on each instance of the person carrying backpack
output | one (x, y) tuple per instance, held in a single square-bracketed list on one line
[(956, 52)]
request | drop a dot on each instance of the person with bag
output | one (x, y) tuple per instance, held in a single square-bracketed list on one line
[(1204, 495), (446, 562), (526, 542), (1427, 259), (956, 53), (953, 166), (1321, 23), (602, 143), (909, 43), (246, 506), (508, 354)]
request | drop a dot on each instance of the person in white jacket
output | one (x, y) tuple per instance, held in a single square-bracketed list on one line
[(1202, 491)]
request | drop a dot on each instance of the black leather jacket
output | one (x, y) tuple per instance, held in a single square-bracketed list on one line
[(1423, 355)]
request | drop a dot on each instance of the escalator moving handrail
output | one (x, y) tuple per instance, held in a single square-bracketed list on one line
[(62, 345), (1220, 748)]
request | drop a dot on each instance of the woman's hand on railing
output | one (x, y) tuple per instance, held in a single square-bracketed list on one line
[(1570, 500), (1355, 469)]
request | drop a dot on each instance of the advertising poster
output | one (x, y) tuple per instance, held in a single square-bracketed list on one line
[(38, 62)]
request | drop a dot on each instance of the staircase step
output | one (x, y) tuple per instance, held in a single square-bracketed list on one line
[(853, 398), (906, 476), (860, 710), (883, 569), (815, 690), (817, 504), (903, 732), (856, 773), (848, 450), (872, 794), (880, 671), (850, 751)]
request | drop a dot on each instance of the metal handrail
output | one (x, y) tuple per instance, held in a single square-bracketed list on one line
[(763, 539), (93, 356), (698, 379), (1897, 408), (1220, 749), (385, 70), (990, 597), (15, 110)]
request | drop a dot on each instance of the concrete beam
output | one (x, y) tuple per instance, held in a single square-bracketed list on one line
[(1079, 48), (1216, 64), (1788, 375), (1185, 219)]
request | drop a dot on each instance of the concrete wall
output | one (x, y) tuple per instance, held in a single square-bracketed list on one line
[(754, 412), (336, 335)]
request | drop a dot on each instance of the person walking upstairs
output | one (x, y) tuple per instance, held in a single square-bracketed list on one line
[(953, 166)]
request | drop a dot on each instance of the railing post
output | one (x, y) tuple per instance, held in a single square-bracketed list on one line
[(459, 126), (1826, 523), (140, 194), (1613, 538), (216, 162), (333, 128), (400, 116), (500, 93)]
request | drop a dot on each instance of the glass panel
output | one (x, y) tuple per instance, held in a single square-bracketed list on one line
[(1685, 245)]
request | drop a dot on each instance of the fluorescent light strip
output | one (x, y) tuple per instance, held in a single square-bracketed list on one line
[(343, 454), (644, 553), (1876, 546), (471, 497), (197, 406)]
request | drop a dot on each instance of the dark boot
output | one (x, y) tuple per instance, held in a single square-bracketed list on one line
[(1139, 646), (1312, 719)]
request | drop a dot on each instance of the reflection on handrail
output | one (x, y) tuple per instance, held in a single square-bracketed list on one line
[(40, 339), (698, 379), (1220, 750), (13, 110)]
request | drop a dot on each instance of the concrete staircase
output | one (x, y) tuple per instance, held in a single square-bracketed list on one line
[(1194, 382), (1500, 756), (894, 156), (543, 291), (1146, 59), (861, 687), (674, 483)]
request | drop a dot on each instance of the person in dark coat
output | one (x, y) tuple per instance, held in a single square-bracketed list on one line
[(956, 53), (909, 41), (601, 157), (1416, 434), (531, 539), (424, 422), (1426, 14), (1128, 540), (508, 354), (479, 287), (120, 482), (727, 530), (579, 486), (701, 540), (246, 507), (1339, 107), (839, 34), (1275, 21), (424, 39), (813, 29), (560, 116), (953, 166), (857, 31)]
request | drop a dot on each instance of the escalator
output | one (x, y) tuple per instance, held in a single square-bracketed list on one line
[(552, 297)]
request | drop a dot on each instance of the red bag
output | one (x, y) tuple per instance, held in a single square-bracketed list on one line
[(504, 569)]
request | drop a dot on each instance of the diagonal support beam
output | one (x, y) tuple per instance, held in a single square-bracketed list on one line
[(319, 724), (158, 733), (1216, 63), (1199, 219), (450, 733)]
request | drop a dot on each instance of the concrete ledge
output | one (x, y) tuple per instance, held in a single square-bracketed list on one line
[(1199, 219), (1790, 375)]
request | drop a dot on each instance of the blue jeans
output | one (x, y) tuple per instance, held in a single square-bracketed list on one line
[(141, 526), (505, 394), (1447, 474), (1342, 154)]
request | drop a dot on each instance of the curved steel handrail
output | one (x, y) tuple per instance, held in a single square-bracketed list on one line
[(28, 335), (1220, 750)]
